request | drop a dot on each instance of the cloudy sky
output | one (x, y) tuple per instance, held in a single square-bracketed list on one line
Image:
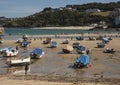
[(22, 8)]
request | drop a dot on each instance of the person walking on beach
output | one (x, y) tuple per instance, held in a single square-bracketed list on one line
[(26, 68)]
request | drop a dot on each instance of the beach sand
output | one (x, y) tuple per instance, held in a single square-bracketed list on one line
[(105, 68)]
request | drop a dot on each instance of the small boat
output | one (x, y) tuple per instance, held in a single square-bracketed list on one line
[(37, 53), (109, 50), (25, 37), (53, 44), (2, 50), (81, 49), (68, 49), (101, 45), (66, 41), (82, 61), (17, 62), (75, 45), (19, 40), (1, 39), (79, 38), (47, 41), (9, 51), (25, 44), (92, 38)]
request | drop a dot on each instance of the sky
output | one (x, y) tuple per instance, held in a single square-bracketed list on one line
[(22, 8)]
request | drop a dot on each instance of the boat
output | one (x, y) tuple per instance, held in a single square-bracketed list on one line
[(68, 49), (81, 49), (101, 45), (18, 62), (66, 41), (76, 44), (1, 30), (25, 44), (106, 39), (91, 38), (37, 53), (1, 39), (47, 41), (53, 44), (109, 50), (79, 38), (9, 51), (82, 61)]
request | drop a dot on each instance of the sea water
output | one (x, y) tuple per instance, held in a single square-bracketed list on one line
[(41, 31)]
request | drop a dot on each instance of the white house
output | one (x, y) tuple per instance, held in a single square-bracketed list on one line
[(92, 10)]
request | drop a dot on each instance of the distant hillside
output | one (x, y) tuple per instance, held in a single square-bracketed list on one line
[(71, 15)]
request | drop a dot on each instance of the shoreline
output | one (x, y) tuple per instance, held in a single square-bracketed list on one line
[(69, 27)]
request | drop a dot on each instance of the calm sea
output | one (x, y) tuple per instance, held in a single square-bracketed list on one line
[(28, 31)]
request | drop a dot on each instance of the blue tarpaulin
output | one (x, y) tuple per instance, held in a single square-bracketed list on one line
[(85, 59), (37, 51), (53, 44), (106, 39), (82, 48)]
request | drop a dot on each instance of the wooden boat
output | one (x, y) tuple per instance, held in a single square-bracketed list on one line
[(68, 49), (47, 41), (18, 61)]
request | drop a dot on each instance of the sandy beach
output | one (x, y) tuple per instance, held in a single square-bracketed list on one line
[(70, 27), (55, 67)]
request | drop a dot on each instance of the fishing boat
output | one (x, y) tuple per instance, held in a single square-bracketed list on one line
[(81, 49), (25, 44), (66, 41), (9, 51), (68, 49), (37, 53), (53, 44), (18, 62), (76, 44)]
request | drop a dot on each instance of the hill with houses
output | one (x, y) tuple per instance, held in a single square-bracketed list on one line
[(97, 14)]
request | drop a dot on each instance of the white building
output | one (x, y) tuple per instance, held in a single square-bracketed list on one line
[(92, 10)]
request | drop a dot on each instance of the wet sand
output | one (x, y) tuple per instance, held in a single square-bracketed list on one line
[(59, 65)]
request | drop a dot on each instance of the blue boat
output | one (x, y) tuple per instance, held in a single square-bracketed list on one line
[(25, 44), (37, 53), (2, 50), (82, 61), (81, 49), (53, 44), (106, 40), (79, 38)]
